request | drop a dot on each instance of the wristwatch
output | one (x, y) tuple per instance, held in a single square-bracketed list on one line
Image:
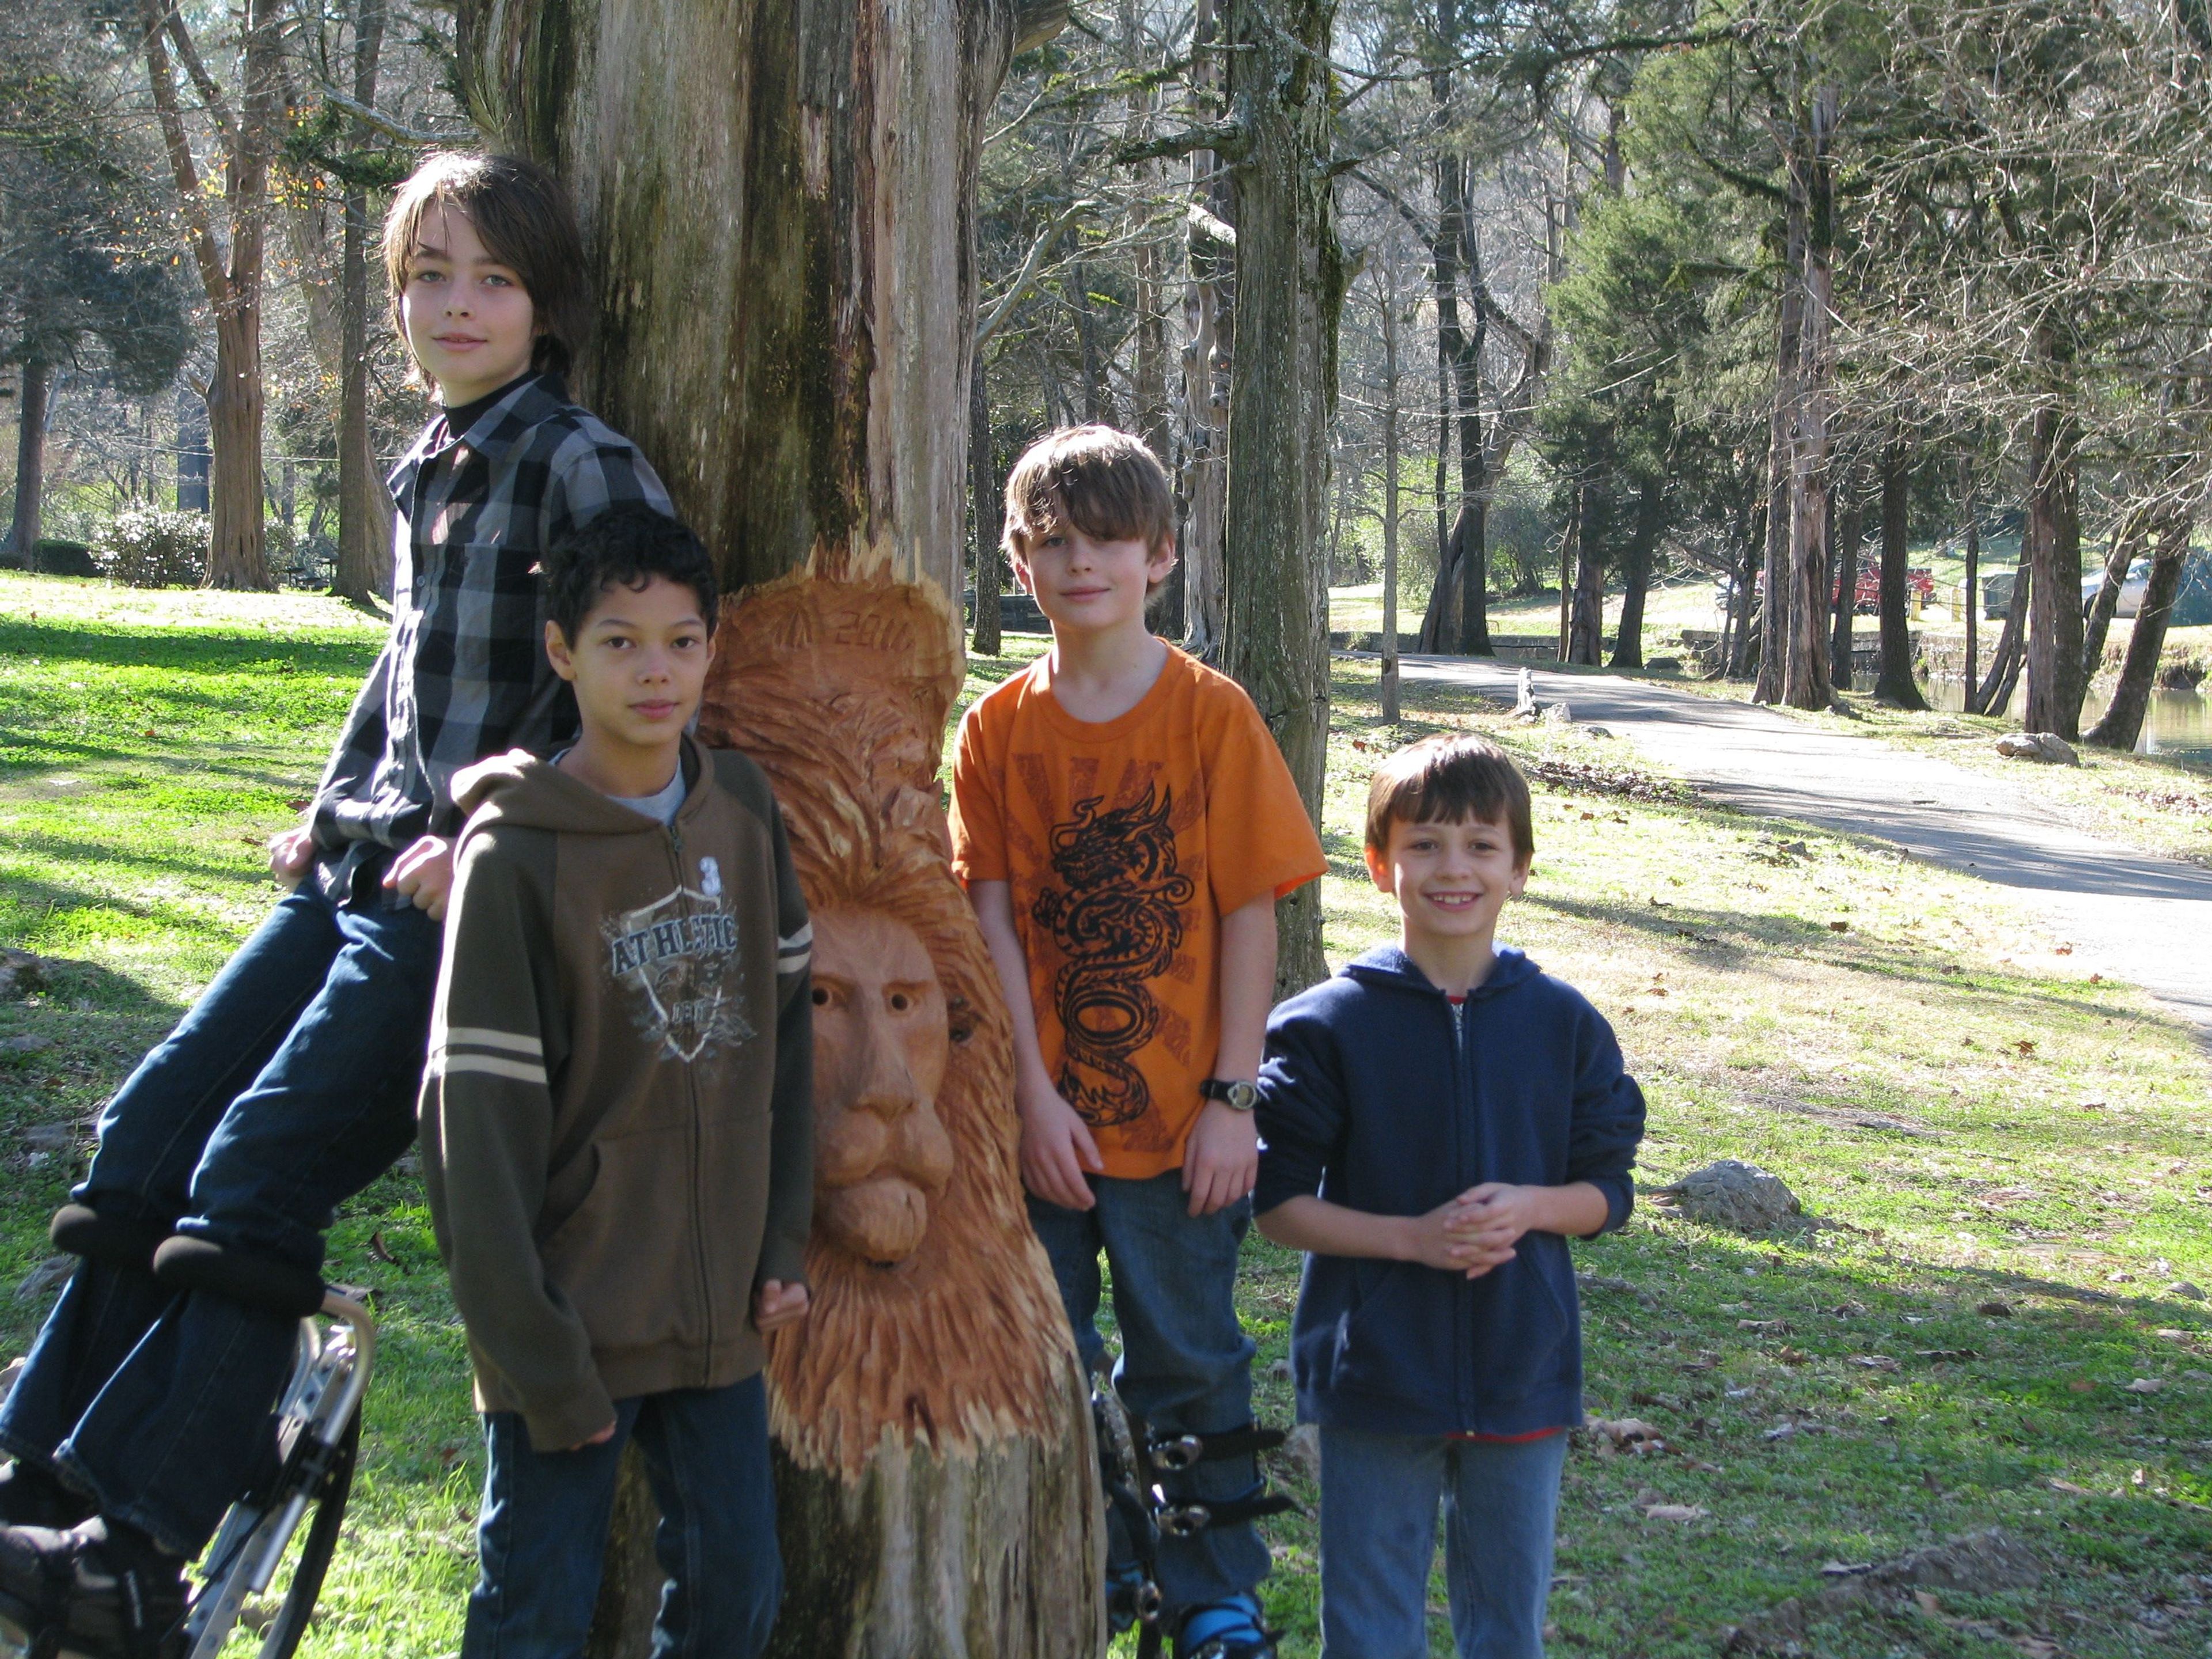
[(1238, 1096)]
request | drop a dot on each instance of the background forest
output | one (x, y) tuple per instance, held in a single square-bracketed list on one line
[(1626, 295)]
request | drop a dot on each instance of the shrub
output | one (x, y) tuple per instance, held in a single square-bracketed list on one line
[(152, 547)]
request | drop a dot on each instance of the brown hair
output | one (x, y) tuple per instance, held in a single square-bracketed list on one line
[(523, 216), (1450, 780), (1102, 480)]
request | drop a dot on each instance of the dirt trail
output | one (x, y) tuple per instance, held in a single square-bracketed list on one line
[(2129, 914)]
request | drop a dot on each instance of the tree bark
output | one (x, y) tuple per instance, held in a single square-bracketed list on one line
[(31, 415), (795, 364), (1586, 626), (365, 506), (1995, 694), (1970, 686), (2127, 536), (2122, 725), (1290, 291), (1209, 368), (1851, 533), (1636, 575), (988, 511), (1896, 684), (1389, 506), (1805, 682), (1775, 602), (235, 396), (2053, 552)]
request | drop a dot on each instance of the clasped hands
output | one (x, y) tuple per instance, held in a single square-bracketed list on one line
[(1475, 1232)]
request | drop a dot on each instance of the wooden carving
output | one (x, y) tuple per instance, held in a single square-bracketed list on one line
[(933, 1398)]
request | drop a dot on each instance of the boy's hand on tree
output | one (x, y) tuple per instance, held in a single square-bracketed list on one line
[(424, 872), (778, 1304), (290, 853), (1221, 1160), (1056, 1146)]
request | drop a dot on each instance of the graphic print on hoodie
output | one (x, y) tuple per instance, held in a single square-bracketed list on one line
[(677, 960)]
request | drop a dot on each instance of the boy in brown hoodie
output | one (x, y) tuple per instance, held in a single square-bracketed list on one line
[(616, 1120)]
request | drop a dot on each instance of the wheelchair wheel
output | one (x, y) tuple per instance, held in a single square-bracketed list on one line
[(321, 1543)]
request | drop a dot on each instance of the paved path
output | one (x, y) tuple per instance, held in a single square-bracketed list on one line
[(2129, 914)]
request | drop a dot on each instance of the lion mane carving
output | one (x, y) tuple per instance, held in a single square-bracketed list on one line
[(839, 690)]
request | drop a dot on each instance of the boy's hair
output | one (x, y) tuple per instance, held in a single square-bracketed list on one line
[(1102, 482), (1450, 780), (523, 218), (629, 546)]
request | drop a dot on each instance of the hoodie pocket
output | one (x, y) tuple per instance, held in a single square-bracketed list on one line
[(624, 1258), (1521, 1325), (1397, 1339)]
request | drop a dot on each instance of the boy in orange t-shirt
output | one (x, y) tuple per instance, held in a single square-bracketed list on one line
[(1124, 825)]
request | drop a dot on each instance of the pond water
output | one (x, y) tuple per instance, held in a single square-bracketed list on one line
[(2178, 724)]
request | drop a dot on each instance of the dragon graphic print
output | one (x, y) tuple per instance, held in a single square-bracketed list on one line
[(1116, 916)]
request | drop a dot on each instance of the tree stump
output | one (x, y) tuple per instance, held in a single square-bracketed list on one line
[(778, 200)]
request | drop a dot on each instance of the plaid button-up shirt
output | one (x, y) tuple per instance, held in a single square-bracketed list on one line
[(463, 673)]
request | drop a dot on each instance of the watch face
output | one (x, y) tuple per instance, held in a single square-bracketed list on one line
[(1242, 1096)]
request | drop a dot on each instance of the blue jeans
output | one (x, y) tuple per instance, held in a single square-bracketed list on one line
[(1378, 1535), (1186, 1364), (288, 1088), (544, 1528)]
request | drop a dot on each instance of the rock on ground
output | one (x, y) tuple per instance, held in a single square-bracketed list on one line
[(2046, 746), (1741, 1197)]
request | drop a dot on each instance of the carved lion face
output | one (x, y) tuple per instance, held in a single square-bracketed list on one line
[(881, 1041)]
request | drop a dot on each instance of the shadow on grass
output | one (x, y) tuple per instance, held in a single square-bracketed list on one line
[(27, 902), (200, 648)]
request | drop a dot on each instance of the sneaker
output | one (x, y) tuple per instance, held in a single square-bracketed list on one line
[(83, 1592), (31, 1496), (1227, 1629)]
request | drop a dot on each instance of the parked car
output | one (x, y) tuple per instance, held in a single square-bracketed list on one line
[(2131, 590)]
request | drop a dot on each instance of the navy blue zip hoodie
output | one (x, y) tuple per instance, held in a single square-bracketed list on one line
[(1381, 1095)]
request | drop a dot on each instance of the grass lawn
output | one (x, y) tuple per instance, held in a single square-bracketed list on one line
[(1970, 1122)]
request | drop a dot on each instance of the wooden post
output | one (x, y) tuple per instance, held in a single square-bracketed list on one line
[(778, 201)]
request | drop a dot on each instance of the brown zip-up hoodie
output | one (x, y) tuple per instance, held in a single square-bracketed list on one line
[(617, 1120)]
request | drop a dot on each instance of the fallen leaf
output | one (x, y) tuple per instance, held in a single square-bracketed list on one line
[(1789, 1355), (1676, 1512), (382, 1251), (2063, 950), (2080, 1385), (2025, 1046), (1875, 1362), (2094, 979), (2036, 1647), (1839, 927), (1844, 1569), (1995, 1310), (2145, 1385), (1926, 1601), (2056, 1485)]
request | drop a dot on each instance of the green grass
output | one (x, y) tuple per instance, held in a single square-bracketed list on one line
[(1879, 1068)]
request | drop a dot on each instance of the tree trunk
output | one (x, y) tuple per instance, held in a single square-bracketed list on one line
[(1739, 608), (1586, 626), (793, 363), (1290, 291), (31, 412), (1995, 694), (1851, 533), (235, 396), (2054, 549), (2127, 536), (193, 461), (988, 511), (1774, 602), (1970, 684), (1567, 539), (365, 506), (1389, 506), (1210, 313), (1896, 685), (2122, 725), (1473, 533), (1805, 682), (1636, 575)]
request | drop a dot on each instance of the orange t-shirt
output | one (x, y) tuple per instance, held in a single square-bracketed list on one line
[(1125, 841)]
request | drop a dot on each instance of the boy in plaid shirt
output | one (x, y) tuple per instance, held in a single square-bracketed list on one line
[(290, 1085)]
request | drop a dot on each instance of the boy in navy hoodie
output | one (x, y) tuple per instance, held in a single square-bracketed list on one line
[(1438, 1118)]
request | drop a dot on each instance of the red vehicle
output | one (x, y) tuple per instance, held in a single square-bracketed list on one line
[(1866, 596)]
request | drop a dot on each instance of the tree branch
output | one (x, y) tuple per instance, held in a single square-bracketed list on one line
[(1027, 275), (390, 126), (205, 254), (210, 94), (1230, 139)]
